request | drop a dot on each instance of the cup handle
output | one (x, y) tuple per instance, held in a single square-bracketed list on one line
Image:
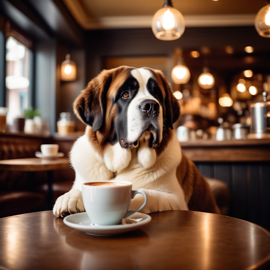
[(133, 193)]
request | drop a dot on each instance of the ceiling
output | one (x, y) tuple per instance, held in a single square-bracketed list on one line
[(105, 14)]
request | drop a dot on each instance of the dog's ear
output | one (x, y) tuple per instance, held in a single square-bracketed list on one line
[(90, 105), (171, 104)]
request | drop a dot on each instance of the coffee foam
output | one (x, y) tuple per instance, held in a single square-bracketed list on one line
[(105, 184)]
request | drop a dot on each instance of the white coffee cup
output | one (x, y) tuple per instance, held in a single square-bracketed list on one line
[(49, 149), (107, 202)]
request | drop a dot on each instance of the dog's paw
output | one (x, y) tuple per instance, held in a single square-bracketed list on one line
[(69, 203), (146, 156), (116, 158)]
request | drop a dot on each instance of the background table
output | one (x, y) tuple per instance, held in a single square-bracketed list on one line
[(172, 240), (35, 165)]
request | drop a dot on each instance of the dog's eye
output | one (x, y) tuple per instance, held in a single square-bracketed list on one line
[(125, 95)]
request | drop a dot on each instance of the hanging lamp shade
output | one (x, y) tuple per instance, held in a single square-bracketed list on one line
[(168, 23), (68, 69), (262, 21), (225, 100), (241, 86), (206, 80), (180, 73), (178, 94)]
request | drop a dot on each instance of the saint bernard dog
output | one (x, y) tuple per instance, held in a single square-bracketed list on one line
[(129, 114)]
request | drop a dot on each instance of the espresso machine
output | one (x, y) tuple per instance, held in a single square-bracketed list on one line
[(260, 119)]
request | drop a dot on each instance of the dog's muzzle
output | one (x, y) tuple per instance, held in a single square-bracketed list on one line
[(149, 107)]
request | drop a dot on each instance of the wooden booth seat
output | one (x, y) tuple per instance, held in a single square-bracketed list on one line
[(19, 202), (221, 194)]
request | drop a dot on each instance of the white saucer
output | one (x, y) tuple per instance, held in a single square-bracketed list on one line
[(82, 223), (40, 155)]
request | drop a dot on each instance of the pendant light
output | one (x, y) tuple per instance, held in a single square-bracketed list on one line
[(168, 23), (241, 87), (68, 69), (262, 21), (225, 100), (206, 80), (253, 90), (178, 95), (180, 73)]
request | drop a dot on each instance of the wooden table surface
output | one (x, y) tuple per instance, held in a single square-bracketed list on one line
[(34, 164), (172, 240)]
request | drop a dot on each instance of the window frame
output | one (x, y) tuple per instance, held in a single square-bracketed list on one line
[(2, 63), (10, 31)]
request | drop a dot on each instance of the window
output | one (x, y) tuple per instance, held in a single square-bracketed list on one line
[(18, 73)]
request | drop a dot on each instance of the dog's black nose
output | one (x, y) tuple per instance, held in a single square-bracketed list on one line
[(150, 107)]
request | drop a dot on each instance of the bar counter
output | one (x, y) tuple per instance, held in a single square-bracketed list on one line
[(229, 150)]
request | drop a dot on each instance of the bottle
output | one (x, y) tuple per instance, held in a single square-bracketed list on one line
[(65, 126)]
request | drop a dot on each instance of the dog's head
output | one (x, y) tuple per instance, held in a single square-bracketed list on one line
[(121, 104)]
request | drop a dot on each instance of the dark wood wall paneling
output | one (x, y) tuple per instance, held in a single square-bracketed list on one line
[(249, 183)]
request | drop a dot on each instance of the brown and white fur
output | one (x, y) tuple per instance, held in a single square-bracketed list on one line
[(129, 114)]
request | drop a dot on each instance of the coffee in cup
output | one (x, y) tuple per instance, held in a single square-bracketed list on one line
[(107, 202), (49, 149)]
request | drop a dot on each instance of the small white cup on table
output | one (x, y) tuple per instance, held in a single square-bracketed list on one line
[(49, 150)]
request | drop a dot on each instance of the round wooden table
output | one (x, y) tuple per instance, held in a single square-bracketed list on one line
[(34, 165), (172, 240)]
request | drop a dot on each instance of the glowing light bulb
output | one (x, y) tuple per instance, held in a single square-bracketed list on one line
[(225, 100), (248, 73), (194, 54), (267, 18), (180, 74), (253, 90), (249, 49), (241, 87), (168, 23), (168, 20), (68, 69), (262, 21), (206, 80), (178, 94)]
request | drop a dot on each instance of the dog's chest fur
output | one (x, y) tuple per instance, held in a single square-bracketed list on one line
[(90, 166), (160, 177)]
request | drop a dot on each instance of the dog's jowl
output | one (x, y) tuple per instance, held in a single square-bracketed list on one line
[(129, 114)]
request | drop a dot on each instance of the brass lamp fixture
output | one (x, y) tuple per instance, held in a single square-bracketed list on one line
[(168, 23), (262, 21), (68, 69)]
